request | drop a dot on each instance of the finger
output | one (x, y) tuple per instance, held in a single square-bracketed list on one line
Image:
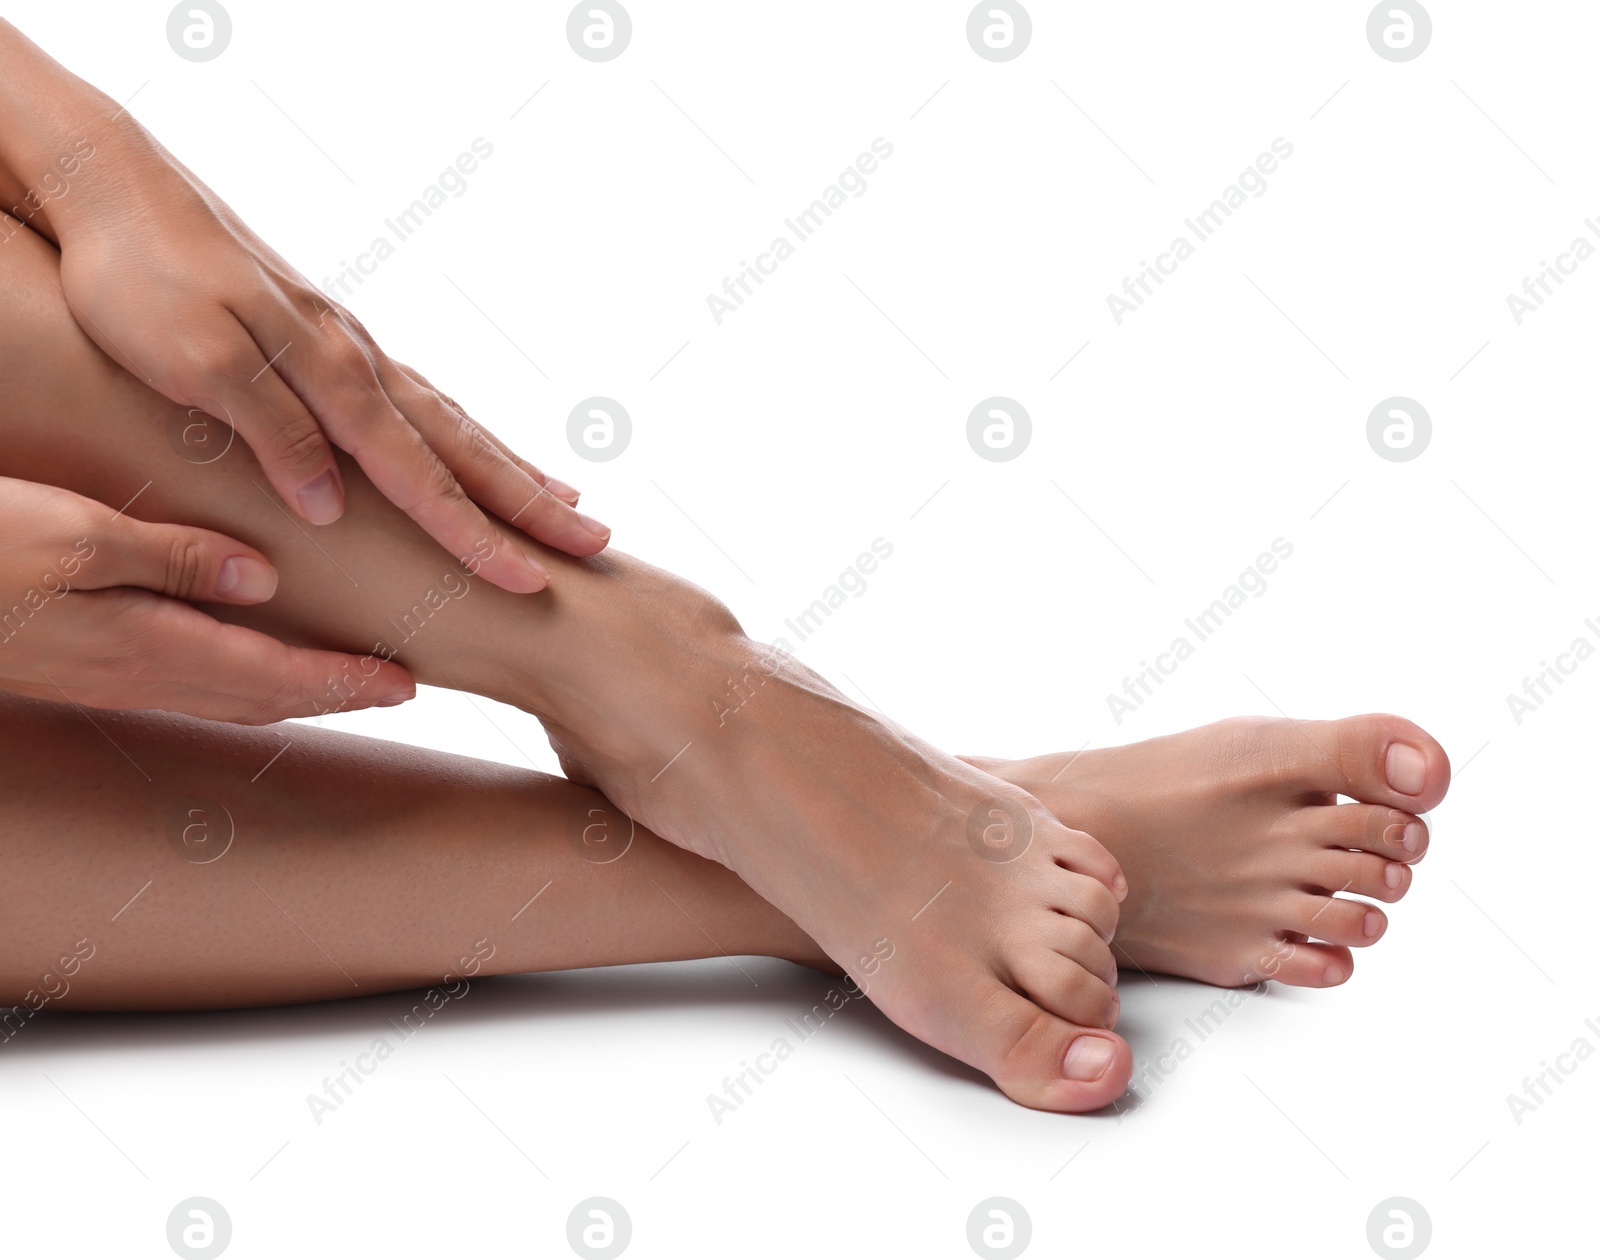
[(335, 378), (491, 475), (189, 662), (242, 382), (177, 560), (567, 494)]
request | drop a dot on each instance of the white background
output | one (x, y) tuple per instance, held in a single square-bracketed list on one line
[(828, 411)]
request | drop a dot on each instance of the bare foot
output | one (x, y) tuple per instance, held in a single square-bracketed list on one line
[(971, 916), (1234, 847)]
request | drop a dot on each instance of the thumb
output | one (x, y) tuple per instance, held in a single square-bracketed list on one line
[(178, 560)]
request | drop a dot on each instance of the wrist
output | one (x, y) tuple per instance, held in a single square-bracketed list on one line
[(63, 143), (52, 127)]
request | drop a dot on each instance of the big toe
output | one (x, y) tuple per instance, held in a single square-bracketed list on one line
[(1042, 1061), (1380, 759)]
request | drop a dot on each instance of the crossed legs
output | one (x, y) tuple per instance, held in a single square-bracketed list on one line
[(983, 920)]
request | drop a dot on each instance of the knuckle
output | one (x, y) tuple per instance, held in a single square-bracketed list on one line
[(438, 487), (281, 694), (350, 358), (352, 323), (299, 445), (448, 401), (139, 654), (260, 713), (188, 562), (471, 440), (264, 712), (214, 360)]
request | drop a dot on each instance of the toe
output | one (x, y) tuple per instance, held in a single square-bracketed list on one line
[(1042, 1061), (1337, 920), (1080, 852), (1380, 759), (1062, 987), (1364, 874), (1389, 833), (1313, 966), (1083, 898), (1073, 938)]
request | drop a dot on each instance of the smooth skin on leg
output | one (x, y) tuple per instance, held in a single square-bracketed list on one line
[(351, 866), (846, 823)]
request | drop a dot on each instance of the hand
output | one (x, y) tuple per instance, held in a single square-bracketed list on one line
[(169, 282), (92, 611)]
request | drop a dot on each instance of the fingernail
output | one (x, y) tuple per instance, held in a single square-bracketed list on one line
[(399, 697), (1088, 1058), (1404, 767), (536, 568), (561, 489), (600, 531), (1333, 975), (1393, 873), (322, 501), (1372, 924), (244, 577), (1120, 886), (1411, 841)]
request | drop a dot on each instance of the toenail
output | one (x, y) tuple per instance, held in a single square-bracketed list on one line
[(1393, 873), (1412, 840), (1333, 975), (1088, 1058), (1405, 768), (1372, 924)]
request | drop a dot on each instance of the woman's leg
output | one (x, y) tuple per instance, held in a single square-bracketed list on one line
[(189, 864), (983, 918)]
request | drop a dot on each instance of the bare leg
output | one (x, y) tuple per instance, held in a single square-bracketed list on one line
[(1232, 832), (351, 866), (881, 847)]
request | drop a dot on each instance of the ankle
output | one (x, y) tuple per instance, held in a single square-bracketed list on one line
[(619, 658)]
